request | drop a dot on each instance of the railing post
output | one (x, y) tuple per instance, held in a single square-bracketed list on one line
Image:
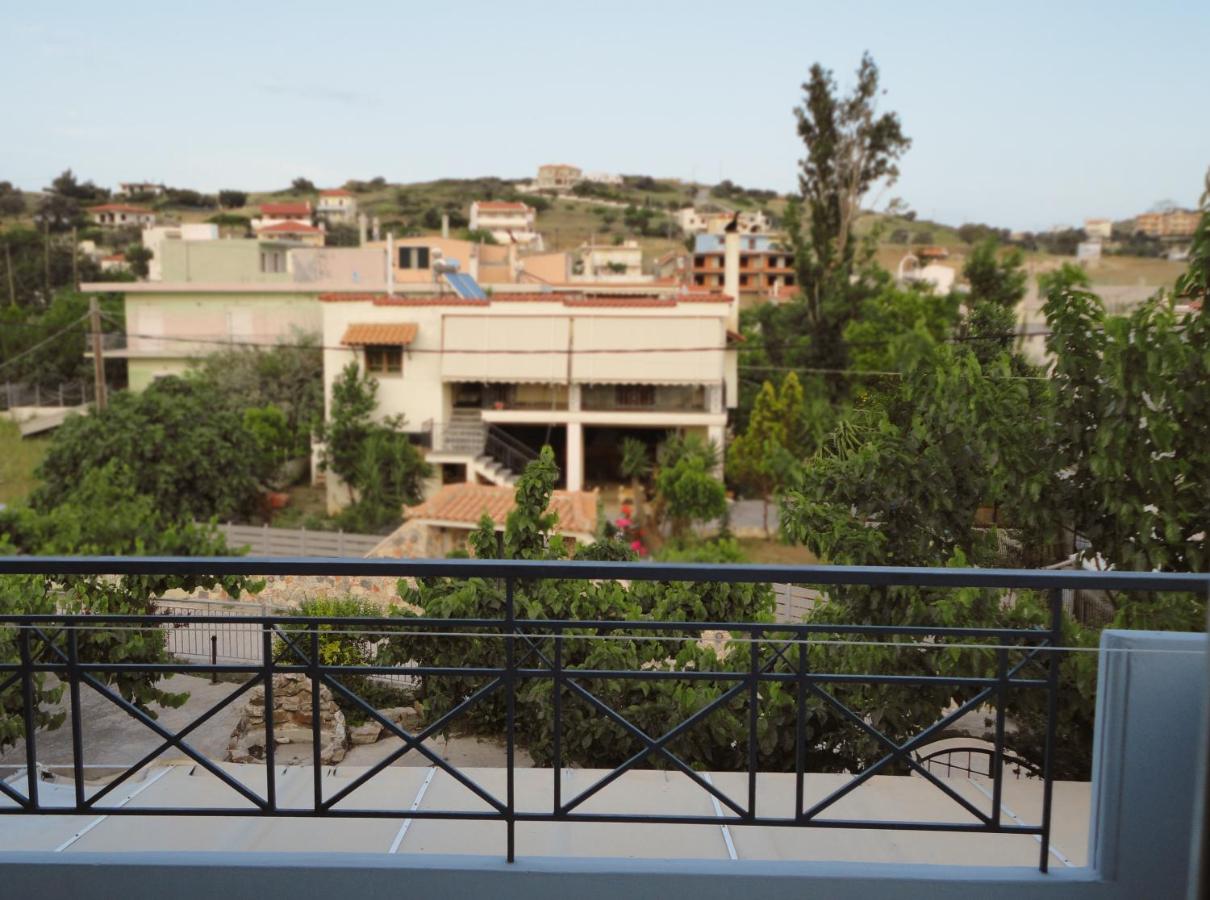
[(998, 749), (800, 727), (557, 741), (510, 686), (214, 657), (77, 725), (27, 698), (1054, 641), (270, 737), (753, 699), (316, 770)]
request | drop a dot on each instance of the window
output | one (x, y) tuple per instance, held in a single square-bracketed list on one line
[(273, 261), (413, 257), (384, 359)]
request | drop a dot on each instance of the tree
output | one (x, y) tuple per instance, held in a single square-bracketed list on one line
[(379, 465), (12, 201), (636, 465), (137, 257), (342, 234), (189, 455), (686, 489), (67, 185), (850, 147), (997, 284), (302, 185), (228, 199)]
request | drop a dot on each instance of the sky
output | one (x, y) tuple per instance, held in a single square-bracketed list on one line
[(1024, 115)]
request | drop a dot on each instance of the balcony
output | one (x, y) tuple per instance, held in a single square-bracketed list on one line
[(286, 825)]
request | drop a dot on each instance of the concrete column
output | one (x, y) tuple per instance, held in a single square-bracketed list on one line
[(573, 398), (731, 276), (575, 456)]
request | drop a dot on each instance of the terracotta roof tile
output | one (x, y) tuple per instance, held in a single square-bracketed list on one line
[(501, 205), (396, 333), (335, 192), (466, 503), (120, 207), (286, 210)]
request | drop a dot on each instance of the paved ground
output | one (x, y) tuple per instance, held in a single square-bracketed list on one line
[(113, 738)]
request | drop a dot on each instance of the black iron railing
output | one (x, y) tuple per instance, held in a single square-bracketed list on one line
[(534, 649)]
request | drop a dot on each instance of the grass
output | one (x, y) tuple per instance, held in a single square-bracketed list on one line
[(19, 457), (772, 552)]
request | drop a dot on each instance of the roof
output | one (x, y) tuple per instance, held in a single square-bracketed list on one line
[(114, 257), (501, 205), (290, 227), (466, 503), (359, 335), (286, 210), (570, 299), (121, 207), (335, 192)]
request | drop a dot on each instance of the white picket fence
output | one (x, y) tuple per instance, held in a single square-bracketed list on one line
[(266, 541), (794, 602)]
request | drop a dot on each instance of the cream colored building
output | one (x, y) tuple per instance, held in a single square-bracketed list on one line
[(610, 261), (484, 381), (558, 177), (693, 221), (1098, 228), (118, 215), (508, 222), (155, 237), (337, 205), (1172, 223)]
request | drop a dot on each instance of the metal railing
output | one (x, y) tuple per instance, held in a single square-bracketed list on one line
[(507, 450), (534, 649), (72, 393)]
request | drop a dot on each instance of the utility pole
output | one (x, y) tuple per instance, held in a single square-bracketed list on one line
[(75, 262), (46, 260), (98, 361)]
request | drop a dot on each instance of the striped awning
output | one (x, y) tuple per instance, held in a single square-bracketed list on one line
[(395, 333)]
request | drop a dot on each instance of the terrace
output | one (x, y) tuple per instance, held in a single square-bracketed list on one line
[(652, 825)]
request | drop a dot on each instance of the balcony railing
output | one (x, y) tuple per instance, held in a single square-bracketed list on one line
[(535, 650)]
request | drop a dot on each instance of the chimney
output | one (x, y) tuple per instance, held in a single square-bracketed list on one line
[(445, 226), (731, 272), (361, 229), (390, 261)]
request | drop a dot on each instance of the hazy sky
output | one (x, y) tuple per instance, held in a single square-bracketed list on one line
[(1022, 114)]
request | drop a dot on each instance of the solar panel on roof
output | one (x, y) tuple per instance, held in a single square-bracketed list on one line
[(465, 286)]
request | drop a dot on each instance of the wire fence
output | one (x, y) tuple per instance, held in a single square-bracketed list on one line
[(15, 395)]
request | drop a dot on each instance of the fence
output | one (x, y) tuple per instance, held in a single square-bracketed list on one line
[(266, 541), (534, 650), (73, 393)]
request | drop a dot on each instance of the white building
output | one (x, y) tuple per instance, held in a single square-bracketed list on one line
[(693, 221), (118, 215), (603, 178), (136, 188), (1089, 251), (508, 222), (1098, 228), (489, 381), (337, 205), (597, 262)]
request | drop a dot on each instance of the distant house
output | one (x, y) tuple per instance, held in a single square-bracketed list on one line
[(139, 188), (693, 221), (118, 215), (336, 205), (1088, 250), (508, 222), (602, 261), (443, 523), (155, 237), (275, 213), (672, 264), (603, 178), (300, 232), (763, 268), (558, 177), (1173, 223), (1098, 228), (926, 254), (115, 262)]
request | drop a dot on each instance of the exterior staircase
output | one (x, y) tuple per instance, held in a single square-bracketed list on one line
[(465, 433), (491, 454)]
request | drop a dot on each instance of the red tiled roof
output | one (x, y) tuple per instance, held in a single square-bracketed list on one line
[(396, 333), (335, 192), (114, 257), (120, 207), (569, 299), (289, 228), (466, 503), (612, 302), (286, 210), (501, 205)]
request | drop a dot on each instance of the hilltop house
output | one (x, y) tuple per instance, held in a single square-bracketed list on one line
[(508, 222), (693, 221), (301, 232), (558, 177), (336, 205), (119, 215), (139, 189), (1173, 223)]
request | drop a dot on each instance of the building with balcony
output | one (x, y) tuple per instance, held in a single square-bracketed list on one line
[(289, 211), (298, 232), (508, 222), (486, 382), (609, 262), (336, 205), (139, 189), (1173, 223), (765, 267), (121, 215)]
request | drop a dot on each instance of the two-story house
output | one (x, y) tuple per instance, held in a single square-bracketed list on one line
[(764, 267), (336, 205), (508, 222)]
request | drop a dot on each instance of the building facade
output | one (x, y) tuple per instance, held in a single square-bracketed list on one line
[(764, 268), (119, 215), (1175, 223), (336, 205), (508, 222), (693, 221), (558, 177)]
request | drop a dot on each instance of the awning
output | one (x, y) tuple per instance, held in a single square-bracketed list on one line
[(397, 334)]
